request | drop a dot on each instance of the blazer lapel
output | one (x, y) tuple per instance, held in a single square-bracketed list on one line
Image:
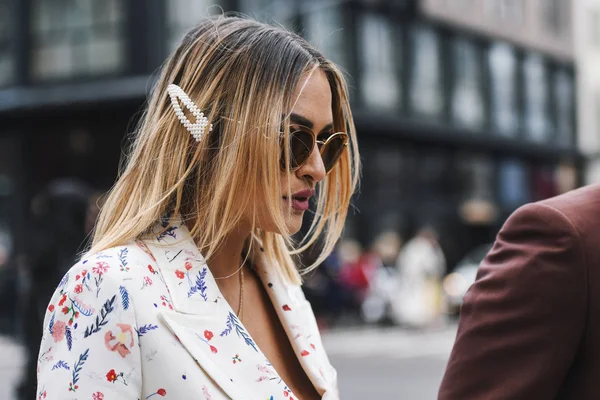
[(297, 318)]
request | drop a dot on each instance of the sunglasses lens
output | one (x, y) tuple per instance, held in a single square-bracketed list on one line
[(332, 151), (301, 145)]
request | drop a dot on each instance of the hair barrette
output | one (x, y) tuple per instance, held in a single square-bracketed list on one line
[(195, 128)]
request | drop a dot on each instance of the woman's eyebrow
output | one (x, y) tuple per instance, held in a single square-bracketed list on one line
[(299, 119)]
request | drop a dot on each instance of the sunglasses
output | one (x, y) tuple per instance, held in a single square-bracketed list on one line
[(302, 143)]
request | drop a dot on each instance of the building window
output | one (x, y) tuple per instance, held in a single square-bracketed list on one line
[(510, 11), (77, 38), (556, 16), (467, 99), (502, 64), (537, 121), (379, 51), (324, 28), (184, 15), (514, 186), (7, 59), (564, 99), (426, 93)]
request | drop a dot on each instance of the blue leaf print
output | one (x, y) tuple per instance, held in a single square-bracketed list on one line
[(61, 364), (145, 329), (123, 256), (233, 322), (64, 280), (200, 286), (124, 297), (101, 320), (79, 365), (69, 338), (51, 325), (83, 309), (170, 231)]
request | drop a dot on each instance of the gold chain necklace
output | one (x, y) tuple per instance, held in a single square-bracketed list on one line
[(240, 312)]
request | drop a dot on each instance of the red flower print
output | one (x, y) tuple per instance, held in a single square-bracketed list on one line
[(179, 274), (98, 396), (213, 349), (188, 265), (304, 353), (111, 376), (65, 310), (151, 269), (77, 277), (208, 335), (84, 273), (313, 346), (79, 288), (51, 307), (70, 322), (161, 392), (100, 268), (286, 308), (62, 300)]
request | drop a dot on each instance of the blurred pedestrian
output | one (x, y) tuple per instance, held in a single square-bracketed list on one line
[(421, 265), (58, 233), (529, 325), (190, 288)]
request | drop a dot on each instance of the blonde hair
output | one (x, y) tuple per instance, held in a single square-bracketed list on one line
[(242, 74)]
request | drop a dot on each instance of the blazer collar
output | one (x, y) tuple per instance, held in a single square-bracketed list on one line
[(197, 303)]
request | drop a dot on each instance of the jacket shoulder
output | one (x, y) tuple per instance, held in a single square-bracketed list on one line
[(118, 261)]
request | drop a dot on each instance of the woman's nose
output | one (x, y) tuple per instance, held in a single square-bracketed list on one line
[(313, 168)]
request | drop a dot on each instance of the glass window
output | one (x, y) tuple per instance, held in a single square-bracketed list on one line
[(426, 95), (513, 182), (467, 99), (503, 102), (324, 28), (184, 15), (7, 59), (537, 121), (379, 48), (511, 11), (77, 38), (564, 99)]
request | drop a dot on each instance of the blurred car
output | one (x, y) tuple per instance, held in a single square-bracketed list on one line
[(456, 284)]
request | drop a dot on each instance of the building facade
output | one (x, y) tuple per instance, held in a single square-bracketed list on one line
[(460, 120)]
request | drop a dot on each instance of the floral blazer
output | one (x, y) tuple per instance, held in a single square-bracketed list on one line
[(147, 321)]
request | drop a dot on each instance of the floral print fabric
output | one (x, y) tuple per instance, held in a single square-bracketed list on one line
[(147, 321)]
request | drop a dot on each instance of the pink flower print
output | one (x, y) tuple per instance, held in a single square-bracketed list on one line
[(313, 346), (58, 331), (100, 268), (122, 342), (214, 349), (98, 396), (79, 288), (188, 265), (84, 273), (180, 274), (148, 280), (205, 392), (208, 335)]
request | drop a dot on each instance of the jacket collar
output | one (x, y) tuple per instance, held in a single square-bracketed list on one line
[(198, 303)]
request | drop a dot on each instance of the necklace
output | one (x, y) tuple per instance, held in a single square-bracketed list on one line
[(240, 312)]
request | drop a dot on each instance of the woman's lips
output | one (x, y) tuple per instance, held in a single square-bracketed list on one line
[(300, 199)]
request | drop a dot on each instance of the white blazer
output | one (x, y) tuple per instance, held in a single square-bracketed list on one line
[(147, 320)]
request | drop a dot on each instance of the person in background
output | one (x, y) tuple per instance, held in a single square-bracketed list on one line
[(421, 265), (529, 325)]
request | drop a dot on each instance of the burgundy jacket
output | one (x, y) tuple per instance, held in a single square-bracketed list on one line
[(530, 324)]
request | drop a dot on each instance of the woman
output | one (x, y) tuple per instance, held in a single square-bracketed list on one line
[(190, 288)]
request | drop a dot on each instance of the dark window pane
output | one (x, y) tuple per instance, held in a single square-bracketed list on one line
[(379, 51), (324, 28), (185, 14), (513, 181), (467, 99), (426, 96), (7, 59), (537, 121), (564, 99), (503, 102), (83, 38)]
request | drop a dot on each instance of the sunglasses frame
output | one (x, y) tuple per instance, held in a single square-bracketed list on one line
[(320, 144)]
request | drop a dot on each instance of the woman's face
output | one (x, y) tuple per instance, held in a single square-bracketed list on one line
[(312, 109)]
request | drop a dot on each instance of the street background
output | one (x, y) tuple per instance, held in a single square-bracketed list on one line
[(465, 110)]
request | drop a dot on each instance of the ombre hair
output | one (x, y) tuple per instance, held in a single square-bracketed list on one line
[(242, 74)]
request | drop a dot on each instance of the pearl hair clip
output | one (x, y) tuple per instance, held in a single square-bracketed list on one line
[(195, 128)]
